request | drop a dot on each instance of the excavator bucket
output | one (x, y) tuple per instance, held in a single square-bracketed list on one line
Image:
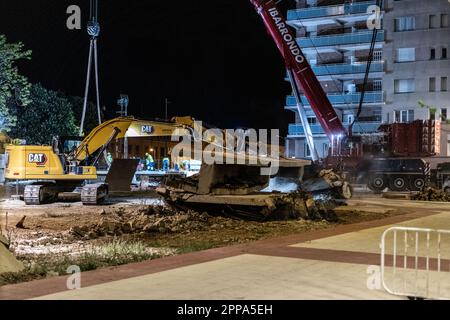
[(121, 174)]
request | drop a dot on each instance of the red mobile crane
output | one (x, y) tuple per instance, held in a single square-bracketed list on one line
[(399, 140)]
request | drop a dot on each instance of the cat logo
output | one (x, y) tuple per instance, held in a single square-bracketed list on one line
[(147, 129), (39, 158)]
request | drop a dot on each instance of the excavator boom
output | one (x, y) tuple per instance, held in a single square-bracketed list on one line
[(115, 128)]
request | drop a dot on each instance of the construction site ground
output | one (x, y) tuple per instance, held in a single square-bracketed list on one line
[(221, 257)]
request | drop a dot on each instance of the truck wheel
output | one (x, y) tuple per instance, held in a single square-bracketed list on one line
[(398, 183), (377, 183), (417, 184)]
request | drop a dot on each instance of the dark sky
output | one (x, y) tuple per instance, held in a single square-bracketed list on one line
[(212, 58)]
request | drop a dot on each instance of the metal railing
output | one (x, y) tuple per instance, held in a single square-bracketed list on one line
[(417, 265), (340, 39), (326, 11), (346, 68), (342, 98), (359, 128)]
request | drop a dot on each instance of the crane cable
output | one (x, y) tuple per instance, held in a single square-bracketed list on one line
[(379, 3)]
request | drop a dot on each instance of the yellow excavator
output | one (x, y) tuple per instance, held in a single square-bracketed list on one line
[(65, 165), (70, 162)]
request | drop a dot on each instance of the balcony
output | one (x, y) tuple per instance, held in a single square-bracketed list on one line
[(340, 39), (331, 69), (317, 12), (370, 97), (358, 128)]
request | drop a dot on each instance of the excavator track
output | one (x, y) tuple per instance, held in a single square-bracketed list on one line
[(94, 194), (36, 194)]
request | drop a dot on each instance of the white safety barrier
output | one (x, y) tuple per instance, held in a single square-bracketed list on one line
[(415, 262)]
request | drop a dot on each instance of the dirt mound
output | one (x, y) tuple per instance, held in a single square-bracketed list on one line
[(152, 219), (167, 219), (7, 261), (431, 194)]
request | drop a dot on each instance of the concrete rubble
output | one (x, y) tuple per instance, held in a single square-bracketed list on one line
[(431, 194)]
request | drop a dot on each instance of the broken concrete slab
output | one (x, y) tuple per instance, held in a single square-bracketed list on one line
[(8, 263)]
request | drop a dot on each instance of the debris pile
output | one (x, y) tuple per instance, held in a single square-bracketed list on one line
[(431, 194), (168, 219), (152, 219), (7, 261)]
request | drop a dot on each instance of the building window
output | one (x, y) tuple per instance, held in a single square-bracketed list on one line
[(325, 149), (312, 120), (433, 54), (444, 84), (444, 114), (444, 20), (444, 53), (307, 151), (405, 23), (377, 85), (378, 55), (404, 116), (349, 118), (432, 114), (411, 115), (432, 84), (404, 86), (434, 22), (406, 54)]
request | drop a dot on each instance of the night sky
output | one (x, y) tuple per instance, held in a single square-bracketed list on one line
[(213, 59)]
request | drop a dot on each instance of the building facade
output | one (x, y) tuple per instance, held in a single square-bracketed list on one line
[(417, 63), (409, 75)]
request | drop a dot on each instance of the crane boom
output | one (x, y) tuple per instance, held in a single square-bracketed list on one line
[(296, 62)]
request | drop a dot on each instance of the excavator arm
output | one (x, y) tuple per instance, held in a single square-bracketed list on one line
[(101, 136), (296, 62)]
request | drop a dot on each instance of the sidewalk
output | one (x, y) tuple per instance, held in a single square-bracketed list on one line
[(325, 264)]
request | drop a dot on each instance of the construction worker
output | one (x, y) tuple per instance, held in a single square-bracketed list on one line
[(109, 159), (166, 164), (149, 162)]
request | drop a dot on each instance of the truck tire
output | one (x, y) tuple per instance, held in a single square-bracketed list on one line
[(377, 182), (398, 183), (417, 183)]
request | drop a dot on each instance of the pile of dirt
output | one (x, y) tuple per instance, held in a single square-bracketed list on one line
[(152, 219), (169, 220), (8, 262), (431, 194)]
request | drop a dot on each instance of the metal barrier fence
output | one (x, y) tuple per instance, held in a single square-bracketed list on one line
[(415, 262)]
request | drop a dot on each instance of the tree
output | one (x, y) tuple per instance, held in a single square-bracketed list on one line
[(14, 88), (91, 120), (49, 114)]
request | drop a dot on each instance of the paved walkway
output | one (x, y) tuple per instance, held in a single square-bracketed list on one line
[(325, 264)]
